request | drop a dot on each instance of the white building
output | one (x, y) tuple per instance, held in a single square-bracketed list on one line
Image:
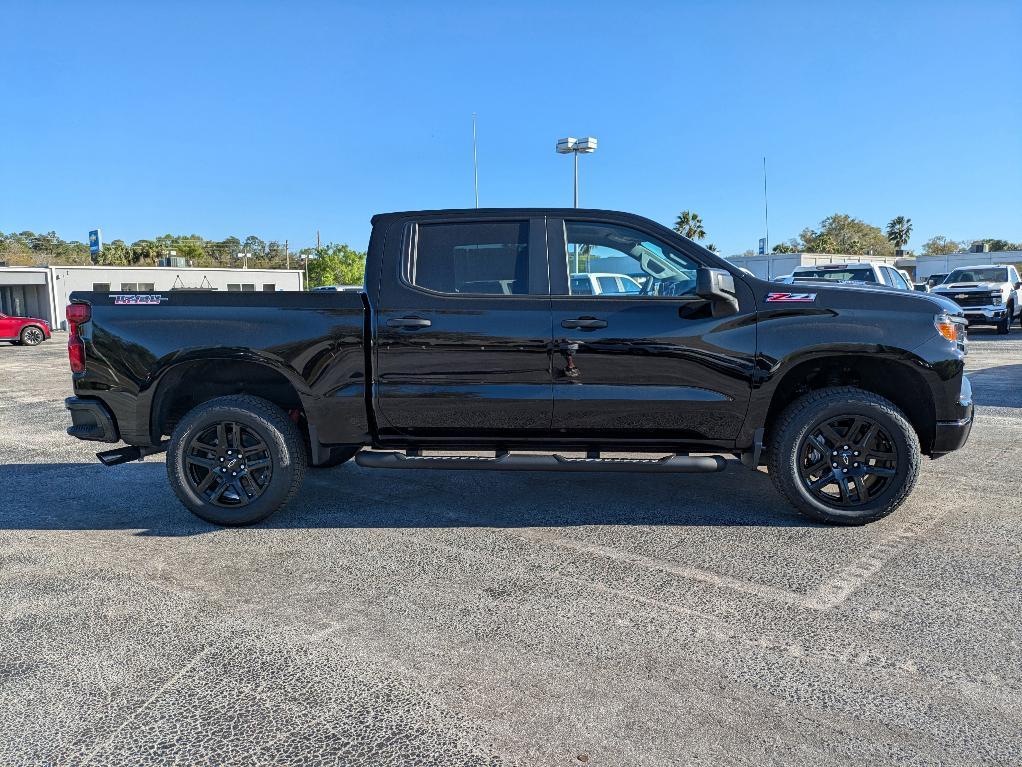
[(43, 291), (927, 265)]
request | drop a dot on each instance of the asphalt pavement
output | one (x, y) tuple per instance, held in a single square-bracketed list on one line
[(458, 618)]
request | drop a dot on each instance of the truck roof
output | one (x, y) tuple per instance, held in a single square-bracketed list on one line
[(482, 212), (845, 265)]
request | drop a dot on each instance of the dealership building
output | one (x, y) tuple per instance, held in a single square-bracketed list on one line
[(42, 292)]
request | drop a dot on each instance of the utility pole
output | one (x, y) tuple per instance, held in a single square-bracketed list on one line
[(766, 209), (317, 240), (287, 255), (475, 159)]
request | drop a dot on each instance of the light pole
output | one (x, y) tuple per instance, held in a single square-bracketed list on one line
[(244, 259), (576, 147)]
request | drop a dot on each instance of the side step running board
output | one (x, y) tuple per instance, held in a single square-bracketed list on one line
[(668, 464)]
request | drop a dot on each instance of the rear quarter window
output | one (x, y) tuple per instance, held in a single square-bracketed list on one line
[(472, 258)]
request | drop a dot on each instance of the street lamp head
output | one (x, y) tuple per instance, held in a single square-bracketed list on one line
[(586, 145), (566, 145)]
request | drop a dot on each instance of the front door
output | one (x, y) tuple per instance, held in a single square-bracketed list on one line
[(645, 363), (463, 330)]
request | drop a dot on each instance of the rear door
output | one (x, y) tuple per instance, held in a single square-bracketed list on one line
[(653, 364), (463, 329)]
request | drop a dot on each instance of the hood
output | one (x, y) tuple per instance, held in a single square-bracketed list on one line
[(937, 302), (950, 286), (27, 319)]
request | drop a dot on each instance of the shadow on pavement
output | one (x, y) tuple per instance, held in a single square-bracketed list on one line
[(999, 386), (137, 496)]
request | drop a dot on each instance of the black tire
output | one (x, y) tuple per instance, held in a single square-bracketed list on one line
[(338, 455), (1004, 326), (32, 335), (795, 445), (280, 453)]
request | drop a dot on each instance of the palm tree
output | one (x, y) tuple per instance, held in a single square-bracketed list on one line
[(899, 231), (690, 225)]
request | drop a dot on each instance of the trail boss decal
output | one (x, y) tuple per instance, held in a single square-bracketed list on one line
[(802, 298), (145, 299)]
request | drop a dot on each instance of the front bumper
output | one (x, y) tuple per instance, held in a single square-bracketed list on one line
[(951, 435), (985, 315), (91, 420)]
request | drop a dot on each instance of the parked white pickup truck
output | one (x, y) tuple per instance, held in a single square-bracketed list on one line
[(989, 294), (862, 271)]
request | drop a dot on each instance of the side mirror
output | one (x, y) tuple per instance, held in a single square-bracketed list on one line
[(718, 287), (1018, 286)]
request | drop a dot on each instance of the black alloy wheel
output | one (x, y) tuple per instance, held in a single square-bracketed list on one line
[(235, 460), (843, 455), (228, 464), (32, 336), (847, 461)]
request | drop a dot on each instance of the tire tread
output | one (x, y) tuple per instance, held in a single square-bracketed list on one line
[(285, 430), (781, 456)]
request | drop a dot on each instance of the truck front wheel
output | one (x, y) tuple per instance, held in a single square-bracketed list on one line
[(235, 460), (844, 455), (1004, 326)]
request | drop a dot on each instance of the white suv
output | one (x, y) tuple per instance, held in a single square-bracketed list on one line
[(988, 294), (601, 283)]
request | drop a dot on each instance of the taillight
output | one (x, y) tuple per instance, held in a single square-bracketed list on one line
[(77, 314)]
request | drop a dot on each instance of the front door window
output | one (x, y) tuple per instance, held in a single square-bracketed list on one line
[(624, 262)]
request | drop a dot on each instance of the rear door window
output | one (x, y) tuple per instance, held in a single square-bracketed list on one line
[(472, 258)]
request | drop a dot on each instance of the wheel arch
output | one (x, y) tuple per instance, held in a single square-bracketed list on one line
[(893, 378), (36, 325), (184, 385)]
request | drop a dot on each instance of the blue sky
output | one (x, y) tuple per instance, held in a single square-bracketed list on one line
[(277, 119)]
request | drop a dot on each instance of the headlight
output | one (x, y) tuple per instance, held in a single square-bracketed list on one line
[(947, 327), (996, 298)]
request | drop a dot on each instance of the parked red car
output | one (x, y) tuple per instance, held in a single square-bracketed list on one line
[(23, 330)]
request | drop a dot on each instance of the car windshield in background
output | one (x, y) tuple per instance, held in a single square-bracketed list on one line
[(837, 275), (978, 275)]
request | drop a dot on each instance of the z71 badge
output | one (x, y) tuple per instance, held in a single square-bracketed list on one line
[(144, 299), (803, 298)]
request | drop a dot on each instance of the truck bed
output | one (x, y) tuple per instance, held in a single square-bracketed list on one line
[(315, 342)]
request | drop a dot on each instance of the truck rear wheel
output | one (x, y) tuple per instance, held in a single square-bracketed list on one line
[(235, 460), (844, 455)]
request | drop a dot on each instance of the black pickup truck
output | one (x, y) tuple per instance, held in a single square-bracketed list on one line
[(551, 331)]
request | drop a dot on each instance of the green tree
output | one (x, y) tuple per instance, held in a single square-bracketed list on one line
[(145, 252), (689, 224), (784, 247), (1001, 244), (899, 230), (336, 265), (116, 253), (841, 233), (941, 246)]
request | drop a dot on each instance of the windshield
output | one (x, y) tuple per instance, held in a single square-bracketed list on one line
[(837, 275), (978, 275)]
